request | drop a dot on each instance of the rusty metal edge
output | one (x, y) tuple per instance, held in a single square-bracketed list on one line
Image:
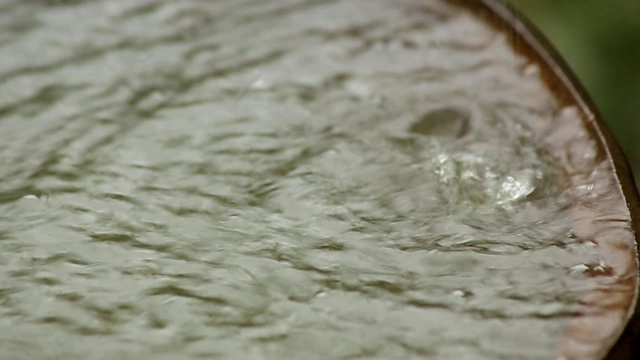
[(528, 41)]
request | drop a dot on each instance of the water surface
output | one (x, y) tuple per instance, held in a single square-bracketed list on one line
[(278, 180)]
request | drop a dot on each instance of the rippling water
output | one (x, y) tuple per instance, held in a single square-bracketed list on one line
[(277, 180)]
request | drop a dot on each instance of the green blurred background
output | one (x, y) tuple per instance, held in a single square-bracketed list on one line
[(600, 39)]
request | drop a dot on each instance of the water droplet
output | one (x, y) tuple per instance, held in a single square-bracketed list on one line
[(578, 269), (532, 70), (592, 270), (261, 84), (600, 269)]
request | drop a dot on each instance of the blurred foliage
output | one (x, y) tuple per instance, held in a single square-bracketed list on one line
[(600, 39)]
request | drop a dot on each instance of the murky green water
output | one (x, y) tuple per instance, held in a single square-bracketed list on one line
[(276, 180)]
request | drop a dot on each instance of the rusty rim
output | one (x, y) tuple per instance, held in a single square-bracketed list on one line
[(584, 338)]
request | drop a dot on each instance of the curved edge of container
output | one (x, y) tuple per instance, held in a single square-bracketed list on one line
[(528, 41)]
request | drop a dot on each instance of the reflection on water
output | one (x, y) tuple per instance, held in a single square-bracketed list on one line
[(276, 180)]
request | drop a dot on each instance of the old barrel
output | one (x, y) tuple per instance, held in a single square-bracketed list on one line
[(305, 179)]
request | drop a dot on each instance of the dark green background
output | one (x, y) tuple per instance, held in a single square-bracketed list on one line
[(600, 39)]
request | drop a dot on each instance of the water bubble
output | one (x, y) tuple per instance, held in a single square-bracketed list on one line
[(462, 293), (517, 187)]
